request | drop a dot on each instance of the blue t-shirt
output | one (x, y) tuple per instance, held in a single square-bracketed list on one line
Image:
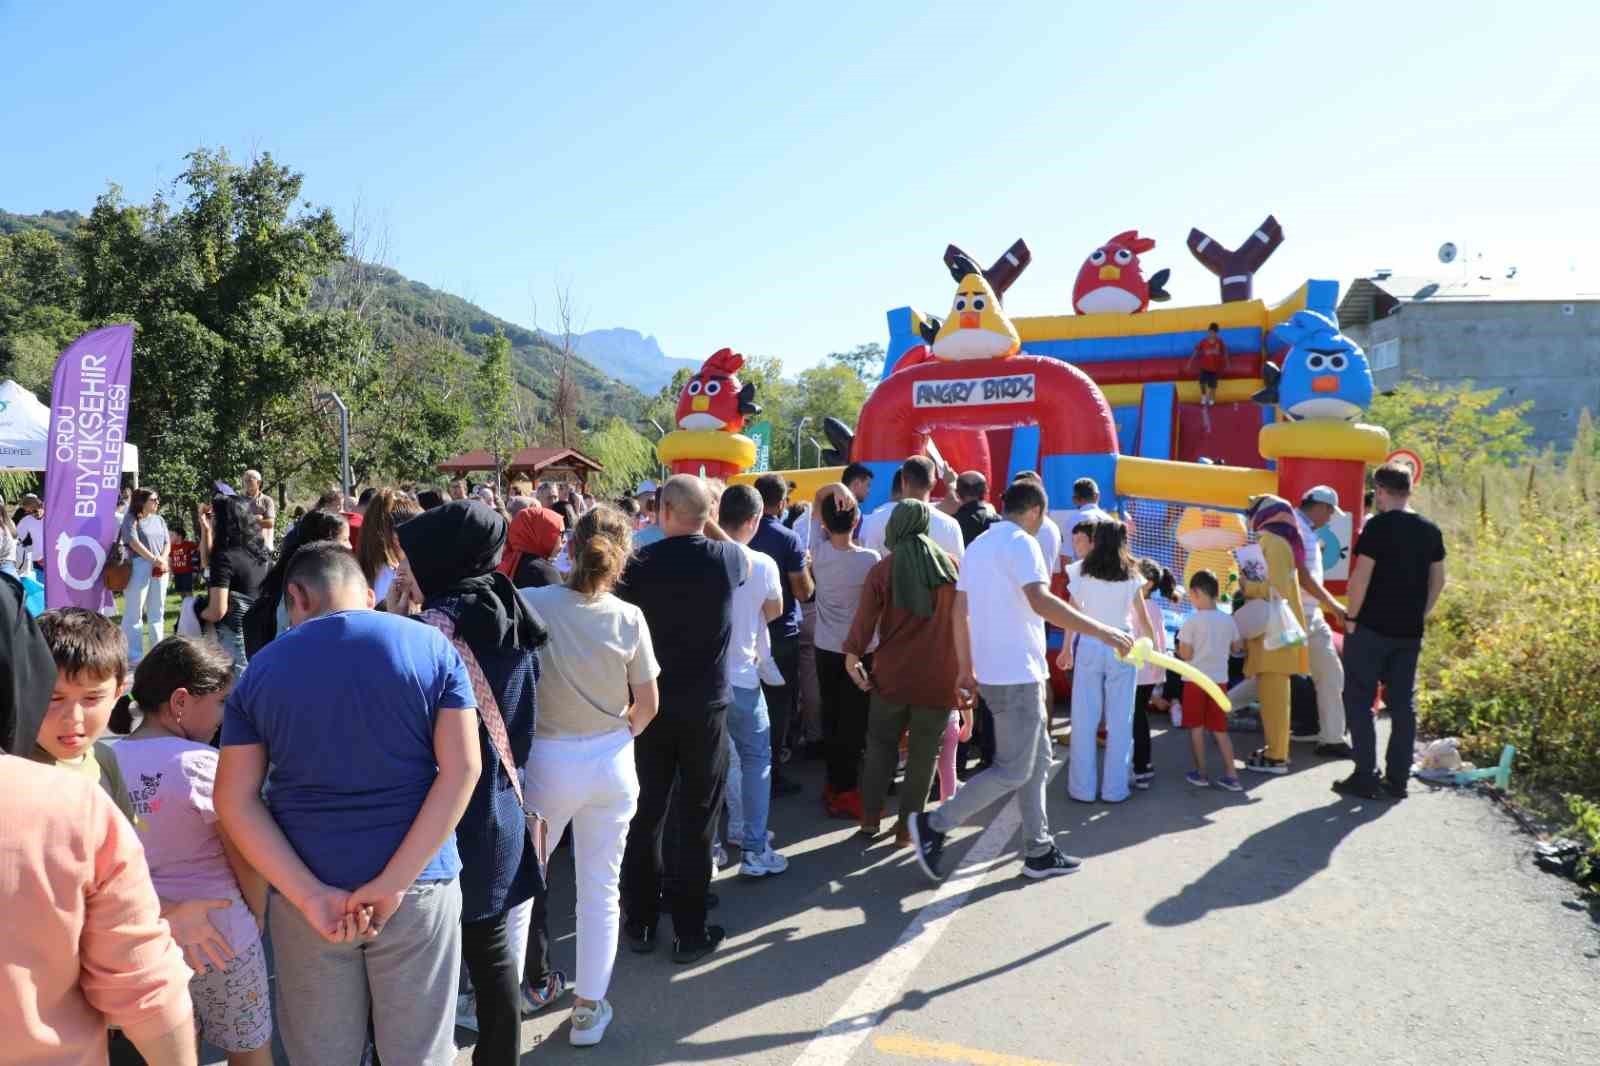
[(346, 706), (788, 550)]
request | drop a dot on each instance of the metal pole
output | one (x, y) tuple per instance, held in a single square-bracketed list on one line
[(798, 429), (344, 441), (818, 446)]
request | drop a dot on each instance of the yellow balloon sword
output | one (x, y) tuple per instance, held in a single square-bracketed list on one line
[(1145, 654)]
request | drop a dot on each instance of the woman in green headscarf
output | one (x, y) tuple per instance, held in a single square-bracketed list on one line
[(909, 602)]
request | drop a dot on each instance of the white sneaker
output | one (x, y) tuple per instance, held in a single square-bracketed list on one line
[(467, 1012), (589, 1024), (719, 857), (767, 863)]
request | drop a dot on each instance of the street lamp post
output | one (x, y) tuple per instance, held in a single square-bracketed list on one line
[(660, 433), (798, 430), (818, 446), (344, 439)]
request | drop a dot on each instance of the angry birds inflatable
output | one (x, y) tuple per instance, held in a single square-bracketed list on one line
[(712, 398), (1111, 280), (1324, 374)]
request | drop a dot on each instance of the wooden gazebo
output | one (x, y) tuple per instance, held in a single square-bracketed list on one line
[(531, 463)]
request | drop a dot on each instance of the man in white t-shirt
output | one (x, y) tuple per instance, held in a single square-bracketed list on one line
[(1085, 508), (1003, 600), (1317, 508), (755, 604), (916, 483), (871, 533), (1049, 535)]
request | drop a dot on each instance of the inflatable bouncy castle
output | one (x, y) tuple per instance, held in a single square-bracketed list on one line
[(1110, 392)]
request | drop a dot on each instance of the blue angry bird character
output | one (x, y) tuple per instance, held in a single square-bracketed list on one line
[(1324, 373)]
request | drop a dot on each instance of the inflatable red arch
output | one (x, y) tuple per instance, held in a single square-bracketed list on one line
[(963, 400)]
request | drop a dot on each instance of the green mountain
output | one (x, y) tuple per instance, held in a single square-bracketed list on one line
[(400, 308)]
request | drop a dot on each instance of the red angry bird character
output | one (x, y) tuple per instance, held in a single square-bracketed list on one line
[(1111, 281), (712, 399)]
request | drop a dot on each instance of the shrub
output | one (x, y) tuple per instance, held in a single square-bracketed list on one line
[(1513, 652)]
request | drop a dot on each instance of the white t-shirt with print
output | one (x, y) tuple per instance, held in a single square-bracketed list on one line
[(749, 623), (1007, 636), (1210, 635)]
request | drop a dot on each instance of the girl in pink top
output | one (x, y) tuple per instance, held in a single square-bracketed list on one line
[(209, 893), (1157, 578)]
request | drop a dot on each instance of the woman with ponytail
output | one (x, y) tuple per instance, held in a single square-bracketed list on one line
[(597, 692), (1157, 578), (210, 894)]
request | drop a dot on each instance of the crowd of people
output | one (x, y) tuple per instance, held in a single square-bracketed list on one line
[(376, 728)]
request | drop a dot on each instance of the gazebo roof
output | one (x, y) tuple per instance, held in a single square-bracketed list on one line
[(524, 460)]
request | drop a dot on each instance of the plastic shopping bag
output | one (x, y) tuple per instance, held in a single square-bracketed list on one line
[(1283, 629)]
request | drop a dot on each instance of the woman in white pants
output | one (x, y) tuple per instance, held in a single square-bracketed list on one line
[(145, 599), (580, 770)]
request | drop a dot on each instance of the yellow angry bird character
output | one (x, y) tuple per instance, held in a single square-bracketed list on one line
[(977, 328)]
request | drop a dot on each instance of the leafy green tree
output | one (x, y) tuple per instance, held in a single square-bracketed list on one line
[(491, 398), (628, 456), (830, 390), (1454, 428), (864, 360)]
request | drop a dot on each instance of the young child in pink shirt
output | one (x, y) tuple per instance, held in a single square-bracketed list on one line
[(209, 893)]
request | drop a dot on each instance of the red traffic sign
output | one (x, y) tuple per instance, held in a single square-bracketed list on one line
[(1411, 460)]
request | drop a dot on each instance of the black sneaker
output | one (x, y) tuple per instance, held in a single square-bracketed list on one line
[(1051, 864), (1341, 750), (641, 938), (1359, 785), (692, 949), (1395, 789), (927, 843)]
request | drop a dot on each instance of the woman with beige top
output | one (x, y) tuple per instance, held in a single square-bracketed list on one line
[(581, 769)]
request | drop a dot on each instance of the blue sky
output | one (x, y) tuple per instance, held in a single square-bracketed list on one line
[(775, 176)]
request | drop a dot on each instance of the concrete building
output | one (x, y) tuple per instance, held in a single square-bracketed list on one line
[(1535, 342)]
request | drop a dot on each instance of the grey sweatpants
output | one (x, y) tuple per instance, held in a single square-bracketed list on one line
[(405, 978), (1021, 765)]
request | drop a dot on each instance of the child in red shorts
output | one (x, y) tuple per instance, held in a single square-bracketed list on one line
[(1205, 639)]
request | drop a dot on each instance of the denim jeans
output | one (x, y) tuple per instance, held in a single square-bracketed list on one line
[(1102, 688), (145, 597), (1371, 657), (750, 730)]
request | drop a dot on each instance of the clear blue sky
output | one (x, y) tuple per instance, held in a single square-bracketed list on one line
[(717, 174)]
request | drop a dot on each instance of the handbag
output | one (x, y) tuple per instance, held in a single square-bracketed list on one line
[(118, 570), (494, 723), (1283, 628)]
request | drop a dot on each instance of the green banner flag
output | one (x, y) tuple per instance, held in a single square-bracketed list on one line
[(761, 433)]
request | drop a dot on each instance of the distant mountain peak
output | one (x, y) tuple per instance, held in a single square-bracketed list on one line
[(626, 354)]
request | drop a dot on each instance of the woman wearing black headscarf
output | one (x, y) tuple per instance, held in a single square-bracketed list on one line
[(452, 552)]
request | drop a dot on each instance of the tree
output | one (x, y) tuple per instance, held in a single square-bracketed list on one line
[(1454, 428), (864, 360), (491, 399), (628, 458)]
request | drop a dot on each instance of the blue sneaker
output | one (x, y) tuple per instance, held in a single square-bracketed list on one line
[(1197, 779), (1230, 784)]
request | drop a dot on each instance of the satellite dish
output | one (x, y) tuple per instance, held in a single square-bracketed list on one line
[(1426, 291), (1447, 252)]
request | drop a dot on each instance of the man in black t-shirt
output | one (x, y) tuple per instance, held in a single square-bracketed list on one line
[(684, 585), (974, 515), (1395, 580)]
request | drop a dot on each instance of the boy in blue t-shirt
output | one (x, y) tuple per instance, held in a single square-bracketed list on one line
[(363, 727)]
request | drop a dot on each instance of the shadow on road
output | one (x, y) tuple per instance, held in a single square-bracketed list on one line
[(1270, 863)]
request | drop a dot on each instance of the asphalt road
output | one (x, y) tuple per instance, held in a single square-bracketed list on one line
[(1282, 925)]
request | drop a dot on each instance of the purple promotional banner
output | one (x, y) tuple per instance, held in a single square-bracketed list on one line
[(83, 474)]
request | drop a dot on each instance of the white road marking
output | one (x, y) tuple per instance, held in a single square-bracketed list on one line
[(863, 1010)]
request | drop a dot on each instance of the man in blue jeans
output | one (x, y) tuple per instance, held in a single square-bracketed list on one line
[(755, 603), (1395, 580)]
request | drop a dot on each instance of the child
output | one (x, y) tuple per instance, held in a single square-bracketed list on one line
[(1157, 578), (1206, 639), (210, 895), (1212, 355), (185, 554), (1105, 589), (91, 657)]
